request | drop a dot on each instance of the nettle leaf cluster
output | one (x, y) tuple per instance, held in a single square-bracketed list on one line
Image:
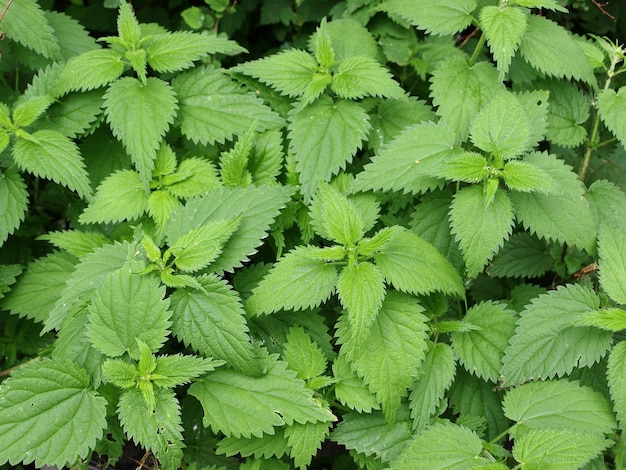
[(401, 235)]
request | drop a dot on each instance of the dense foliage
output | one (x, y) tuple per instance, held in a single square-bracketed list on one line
[(237, 233)]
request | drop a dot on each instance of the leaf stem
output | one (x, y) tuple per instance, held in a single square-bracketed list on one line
[(479, 46)]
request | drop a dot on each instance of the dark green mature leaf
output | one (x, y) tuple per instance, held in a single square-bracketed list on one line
[(212, 322), (504, 29), (616, 377), (26, 23), (214, 109), (569, 111), (439, 17), (72, 38), (481, 226), (559, 404), (546, 344), (481, 350), (411, 264), (51, 155), (140, 115), (265, 447), (611, 105), (127, 307), (612, 262), (523, 255), (74, 114), (274, 399), (324, 136), (608, 203), (350, 389), (13, 202), (43, 392)]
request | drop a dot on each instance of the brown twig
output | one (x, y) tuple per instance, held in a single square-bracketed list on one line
[(6, 7), (604, 12), (592, 268)]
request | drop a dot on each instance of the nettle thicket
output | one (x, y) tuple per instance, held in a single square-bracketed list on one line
[(403, 236)]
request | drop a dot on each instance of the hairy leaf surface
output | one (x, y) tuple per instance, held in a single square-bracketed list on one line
[(435, 16), (13, 202), (504, 29), (305, 440), (523, 255), (616, 377), (612, 262), (90, 70), (361, 76)]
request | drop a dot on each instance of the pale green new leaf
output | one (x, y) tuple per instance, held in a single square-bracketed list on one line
[(481, 350), (361, 76), (49, 391), (194, 176), (161, 205), (25, 22), (612, 262), (303, 354), (437, 17), (459, 91), (350, 389), (546, 344), (200, 246), (481, 226), (213, 108), (612, 109), (51, 155), (305, 440), (564, 216), (389, 357), (13, 202), (470, 167), (501, 127), (121, 196), (27, 110), (297, 281), (569, 111), (212, 322), (504, 29), (128, 27), (551, 49), (125, 307), (40, 287), (408, 162), (276, 398), (609, 319), (159, 430), (434, 379), (120, 373), (559, 404), (523, 255), (411, 264), (370, 246), (335, 217), (324, 136), (174, 51), (177, 369), (557, 449), (442, 445), (139, 116), (361, 290), (90, 70), (526, 177), (616, 377)]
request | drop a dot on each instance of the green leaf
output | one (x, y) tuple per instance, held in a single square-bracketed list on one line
[(372, 434), (8, 277), (13, 202), (612, 262), (139, 116), (174, 51), (270, 445), (459, 91), (324, 136), (481, 351), (121, 196), (559, 404), (504, 29), (373, 245), (256, 206), (335, 217), (442, 445), (434, 379), (481, 226), (128, 26), (274, 399), (49, 391), (350, 389), (557, 449), (223, 334), (70, 35), (568, 113), (536, 106), (548, 4), (200, 246), (26, 23), (176, 369), (297, 281), (407, 163), (193, 177), (305, 440), (361, 76), (437, 17), (389, 357), (551, 49), (27, 110), (125, 307), (501, 128), (53, 156), (608, 203), (90, 70), (265, 162), (303, 354), (159, 430), (74, 114), (413, 265), (525, 177), (161, 206), (361, 290), (610, 319), (546, 344), (523, 255), (469, 167), (616, 377), (611, 106), (213, 108), (564, 217), (39, 288)]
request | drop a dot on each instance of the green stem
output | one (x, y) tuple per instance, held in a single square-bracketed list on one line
[(502, 435), (479, 46)]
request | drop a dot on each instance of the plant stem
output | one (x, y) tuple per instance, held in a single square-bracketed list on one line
[(481, 42)]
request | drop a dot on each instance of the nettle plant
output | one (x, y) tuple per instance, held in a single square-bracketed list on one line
[(401, 249)]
